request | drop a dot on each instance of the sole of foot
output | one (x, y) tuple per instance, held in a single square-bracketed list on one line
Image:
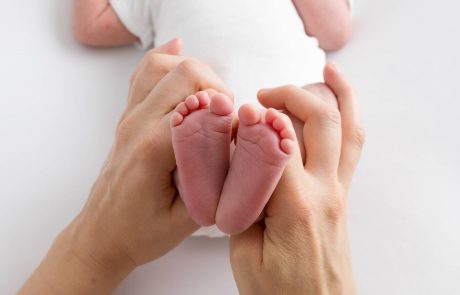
[(265, 143), (201, 135)]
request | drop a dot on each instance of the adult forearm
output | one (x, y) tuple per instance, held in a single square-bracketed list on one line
[(133, 215), (65, 270)]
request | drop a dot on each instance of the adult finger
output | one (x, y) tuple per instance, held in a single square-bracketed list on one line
[(156, 64), (188, 77), (161, 128), (352, 131), (172, 47), (324, 92), (322, 132)]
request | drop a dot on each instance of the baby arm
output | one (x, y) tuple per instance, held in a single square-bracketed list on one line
[(327, 20), (95, 23)]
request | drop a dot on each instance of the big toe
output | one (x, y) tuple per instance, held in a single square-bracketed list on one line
[(249, 115), (221, 105)]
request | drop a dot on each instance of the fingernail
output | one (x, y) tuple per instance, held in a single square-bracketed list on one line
[(335, 67)]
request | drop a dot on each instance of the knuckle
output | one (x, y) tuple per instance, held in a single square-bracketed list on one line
[(128, 129), (190, 67), (335, 210), (330, 116), (358, 137), (335, 207), (156, 63), (153, 58), (124, 129), (305, 216), (153, 68), (145, 148)]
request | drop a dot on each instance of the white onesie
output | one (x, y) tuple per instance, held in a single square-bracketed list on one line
[(250, 44)]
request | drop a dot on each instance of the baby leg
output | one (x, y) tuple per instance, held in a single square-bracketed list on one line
[(263, 148), (201, 135)]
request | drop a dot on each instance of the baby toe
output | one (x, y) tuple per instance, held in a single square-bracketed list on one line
[(221, 105), (287, 146), (176, 119), (249, 115), (271, 115), (203, 98), (182, 109), (279, 123), (288, 133), (192, 102)]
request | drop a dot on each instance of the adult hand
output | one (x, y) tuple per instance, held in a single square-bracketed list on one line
[(302, 247), (134, 214), (322, 91)]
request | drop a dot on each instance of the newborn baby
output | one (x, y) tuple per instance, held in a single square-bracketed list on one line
[(251, 45)]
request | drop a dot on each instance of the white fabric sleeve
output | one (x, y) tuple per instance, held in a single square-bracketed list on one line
[(137, 18)]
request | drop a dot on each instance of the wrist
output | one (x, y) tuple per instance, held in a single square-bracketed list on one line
[(69, 269)]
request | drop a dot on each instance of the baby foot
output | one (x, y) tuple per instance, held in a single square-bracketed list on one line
[(201, 135), (262, 152)]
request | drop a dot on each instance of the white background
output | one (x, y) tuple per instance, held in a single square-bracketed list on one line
[(59, 103)]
